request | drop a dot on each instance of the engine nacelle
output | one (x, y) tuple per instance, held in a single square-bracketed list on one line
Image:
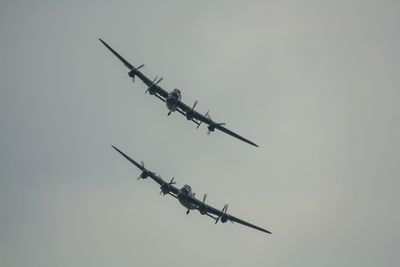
[(152, 90), (211, 127), (145, 174), (165, 188), (224, 218), (132, 73), (202, 210), (189, 115)]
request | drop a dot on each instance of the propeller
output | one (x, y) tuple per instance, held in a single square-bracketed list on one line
[(194, 105), (208, 115), (165, 187), (198, 125), (145, 173), (154, 83), (212, 125), (202, 208), (223, 215), (190, 113), (132, 73)]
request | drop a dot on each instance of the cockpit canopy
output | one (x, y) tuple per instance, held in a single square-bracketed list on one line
[(186, 188), (176, 93)]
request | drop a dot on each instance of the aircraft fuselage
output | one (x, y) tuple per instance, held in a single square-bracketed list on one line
[(184, 195), (172, 99)]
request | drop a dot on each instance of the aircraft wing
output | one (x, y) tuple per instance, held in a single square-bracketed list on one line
[(182, 106), (200, 117), (231, 133), (210, 211), (234, 219), (153, 176), (160, 92)]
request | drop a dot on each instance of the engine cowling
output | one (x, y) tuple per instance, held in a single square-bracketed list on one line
[(202, 210), (224, 218), (165, 189), (189, 115), (145, 174), (132, 73), (152, 90), (211, 127)]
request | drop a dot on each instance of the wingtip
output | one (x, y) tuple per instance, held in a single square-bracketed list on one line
[(266, 231), (251, 143)]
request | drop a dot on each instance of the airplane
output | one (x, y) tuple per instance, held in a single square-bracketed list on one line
[(187, 198), (173, 100)]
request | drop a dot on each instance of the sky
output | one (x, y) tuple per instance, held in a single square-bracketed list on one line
[(314, 83)]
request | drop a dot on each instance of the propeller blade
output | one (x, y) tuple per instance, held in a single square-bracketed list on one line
[(142, 164), (194, 105), (133, 78), (172, 181), (159, 80), (226, 207), (204, 198), (198, 125), (148, 88), (140, 176)]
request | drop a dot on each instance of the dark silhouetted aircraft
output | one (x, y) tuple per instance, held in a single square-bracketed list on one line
[(186, 197), (173, 100)]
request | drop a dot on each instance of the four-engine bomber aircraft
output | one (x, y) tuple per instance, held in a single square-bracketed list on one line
[(187, 198), (173, 100)]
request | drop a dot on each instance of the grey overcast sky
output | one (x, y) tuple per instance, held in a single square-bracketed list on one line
[(314, 83)]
